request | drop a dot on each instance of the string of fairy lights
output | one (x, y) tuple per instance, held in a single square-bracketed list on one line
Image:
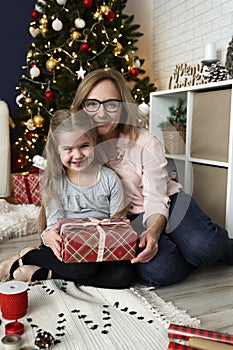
[(60, 58)]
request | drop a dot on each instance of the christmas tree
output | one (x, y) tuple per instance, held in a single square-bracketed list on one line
[(70, 39)]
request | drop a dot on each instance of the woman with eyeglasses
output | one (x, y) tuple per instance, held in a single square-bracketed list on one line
[(175, 235)]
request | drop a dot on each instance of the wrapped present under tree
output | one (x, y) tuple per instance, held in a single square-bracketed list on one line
[(27, 188)]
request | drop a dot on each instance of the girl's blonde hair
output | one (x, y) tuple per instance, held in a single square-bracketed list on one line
[(130, 117), (64, 120)]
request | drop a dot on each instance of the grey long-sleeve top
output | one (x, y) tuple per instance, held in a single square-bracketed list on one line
[(102, 199)]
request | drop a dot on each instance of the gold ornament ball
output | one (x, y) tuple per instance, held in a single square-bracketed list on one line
[(28, 100), (75, 35), (104, 9), (38, 121), (51, 64)]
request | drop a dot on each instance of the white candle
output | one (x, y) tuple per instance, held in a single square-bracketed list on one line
[(210, 52), (4, 150)]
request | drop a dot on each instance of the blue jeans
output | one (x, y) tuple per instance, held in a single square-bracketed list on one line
[(190, 240)]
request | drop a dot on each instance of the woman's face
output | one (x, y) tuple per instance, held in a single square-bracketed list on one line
[(106, 121)]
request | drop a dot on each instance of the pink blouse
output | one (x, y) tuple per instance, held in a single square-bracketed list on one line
[(141, 166)]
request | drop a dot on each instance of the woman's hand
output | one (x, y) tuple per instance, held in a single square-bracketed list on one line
[(148, 241), (53, 239)]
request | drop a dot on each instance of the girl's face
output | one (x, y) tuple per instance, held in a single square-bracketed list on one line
[(107, 116), (76, 152)]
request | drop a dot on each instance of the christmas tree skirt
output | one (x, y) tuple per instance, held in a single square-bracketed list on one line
[(87, 318)]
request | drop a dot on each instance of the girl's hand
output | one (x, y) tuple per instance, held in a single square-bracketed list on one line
[(53, 239)]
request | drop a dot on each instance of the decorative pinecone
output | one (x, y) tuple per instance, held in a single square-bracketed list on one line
[(44, 340), (229, 58), (217, 72)]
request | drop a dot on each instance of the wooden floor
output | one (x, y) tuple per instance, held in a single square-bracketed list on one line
[(206, 294)]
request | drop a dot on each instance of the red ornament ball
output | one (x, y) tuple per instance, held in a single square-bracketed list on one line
[(87, 3), (29, 135), (49, 95), (134, 72), (35, 14), (110, 16), (20, 161), (85, 47)]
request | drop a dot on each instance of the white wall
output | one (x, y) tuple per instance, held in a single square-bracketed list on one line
[(181, 28), (143, 14)]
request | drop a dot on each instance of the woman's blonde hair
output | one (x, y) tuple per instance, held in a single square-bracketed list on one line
[(131, 116)]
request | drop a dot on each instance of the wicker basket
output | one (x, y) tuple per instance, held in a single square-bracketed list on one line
[(174, 141)]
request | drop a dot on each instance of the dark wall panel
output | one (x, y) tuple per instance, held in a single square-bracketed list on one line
[(15, 17)]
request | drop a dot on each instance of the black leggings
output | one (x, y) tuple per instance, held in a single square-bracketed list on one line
[(106, 274)]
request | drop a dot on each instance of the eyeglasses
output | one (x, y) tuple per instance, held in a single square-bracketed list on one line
[(92, 105)]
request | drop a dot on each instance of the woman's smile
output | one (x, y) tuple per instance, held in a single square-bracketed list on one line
[(103, 123)]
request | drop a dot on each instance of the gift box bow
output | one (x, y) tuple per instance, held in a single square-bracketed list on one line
[(98, 223)]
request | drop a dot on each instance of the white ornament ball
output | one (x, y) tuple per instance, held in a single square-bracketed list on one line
[(61, 2), (137, 64), (144, 108), (34, 72), (57, 25), (79, 23)]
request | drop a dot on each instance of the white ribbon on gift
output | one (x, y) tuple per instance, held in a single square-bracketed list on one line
[(102, 233)]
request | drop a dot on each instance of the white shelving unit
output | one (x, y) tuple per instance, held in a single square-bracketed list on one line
[(206, 168)]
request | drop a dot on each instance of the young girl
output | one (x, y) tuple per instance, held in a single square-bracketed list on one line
[(73, 186)]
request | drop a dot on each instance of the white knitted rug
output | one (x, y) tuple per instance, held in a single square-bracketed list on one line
[(88, 318), (17, 220)]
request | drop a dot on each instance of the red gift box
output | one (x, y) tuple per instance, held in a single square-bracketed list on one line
[(27, 189), (90, 240)]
